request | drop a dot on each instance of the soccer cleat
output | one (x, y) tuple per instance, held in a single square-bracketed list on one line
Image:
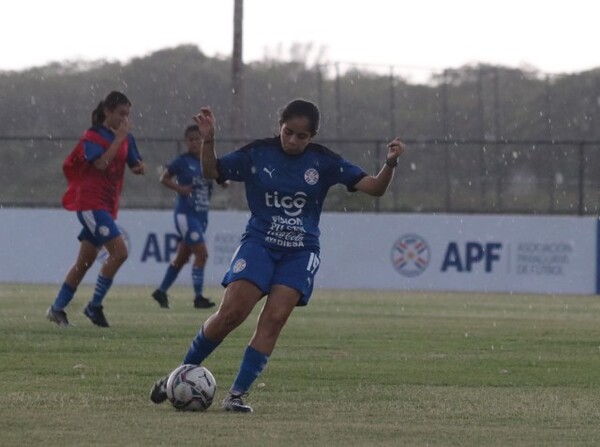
[(58, 316), (202, 303), (234, 402), (96, 315), (158, 394), (161, 298)]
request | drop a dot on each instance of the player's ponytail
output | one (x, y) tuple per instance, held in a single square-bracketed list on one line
[(98, 115), (113, 100)]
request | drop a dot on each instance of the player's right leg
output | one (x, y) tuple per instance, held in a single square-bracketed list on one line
[(181, 258), (85, 258)]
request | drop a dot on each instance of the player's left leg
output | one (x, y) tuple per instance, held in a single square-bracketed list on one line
[(200, 256), (278, 307), (117, 255), (192, 228), (293, 280), (85, 258)]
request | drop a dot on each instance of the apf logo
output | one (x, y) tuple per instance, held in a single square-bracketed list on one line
[(411, 255), (103, 254)]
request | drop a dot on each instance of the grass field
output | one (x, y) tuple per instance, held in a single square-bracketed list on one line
[(354, 368)]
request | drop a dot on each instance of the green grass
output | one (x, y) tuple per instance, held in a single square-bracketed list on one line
[(354, 368)]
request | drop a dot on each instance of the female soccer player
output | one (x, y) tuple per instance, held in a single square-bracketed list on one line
[(94, 171), (286, 179), (191, 218)]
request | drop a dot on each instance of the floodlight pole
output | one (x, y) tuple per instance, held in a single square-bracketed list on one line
[(237, 69)]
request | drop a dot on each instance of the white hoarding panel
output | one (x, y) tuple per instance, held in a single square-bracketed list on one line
[(462, 253), (539, 254)]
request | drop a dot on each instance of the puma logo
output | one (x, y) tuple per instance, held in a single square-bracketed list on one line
[(270, 172)]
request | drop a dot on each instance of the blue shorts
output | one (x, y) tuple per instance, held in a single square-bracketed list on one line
[(98, 227), (265, 267), (191, 229)]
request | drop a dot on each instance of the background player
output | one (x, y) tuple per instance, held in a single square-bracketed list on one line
[(95, 171), (286, 178), (191, 218)]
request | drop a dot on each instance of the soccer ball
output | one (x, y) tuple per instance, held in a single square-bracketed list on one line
[(191, 388)]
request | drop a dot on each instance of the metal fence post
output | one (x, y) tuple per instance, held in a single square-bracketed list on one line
[(581, 179)]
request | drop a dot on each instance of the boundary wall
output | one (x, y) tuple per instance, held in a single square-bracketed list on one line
[(470, 253)]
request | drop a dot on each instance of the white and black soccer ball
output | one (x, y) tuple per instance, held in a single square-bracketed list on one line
[(191, 388)]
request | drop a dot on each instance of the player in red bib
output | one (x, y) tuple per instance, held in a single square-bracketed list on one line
[(94, 171)]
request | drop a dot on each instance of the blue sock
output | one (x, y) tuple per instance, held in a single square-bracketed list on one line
[(64, 297), (200, 348), (102, 286), (198, 280), (170, 277), (252, 365)]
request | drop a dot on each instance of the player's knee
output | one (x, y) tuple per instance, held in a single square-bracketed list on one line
[(200, 260), (119, 256), (179, 263), (269, 330), (230, 319), (276, 321)]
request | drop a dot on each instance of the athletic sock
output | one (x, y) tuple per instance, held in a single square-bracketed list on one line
[(102, 286), (170, 277), (200, 348), (198, 280), (252, 365), (64, 297)]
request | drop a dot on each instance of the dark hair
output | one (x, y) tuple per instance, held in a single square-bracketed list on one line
[(301, 108), (113, 100), (191, 128)]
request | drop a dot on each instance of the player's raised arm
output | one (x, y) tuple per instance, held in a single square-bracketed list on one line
[(378, 184), (206, 125)]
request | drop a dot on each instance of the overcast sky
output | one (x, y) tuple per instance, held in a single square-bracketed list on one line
[(551, 36)]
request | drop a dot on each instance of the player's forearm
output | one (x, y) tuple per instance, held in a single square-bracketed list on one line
[(208, 159), (104, 160), (383, 180), (376, 185)]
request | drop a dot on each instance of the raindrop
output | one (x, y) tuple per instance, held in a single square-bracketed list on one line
[(559, 178)]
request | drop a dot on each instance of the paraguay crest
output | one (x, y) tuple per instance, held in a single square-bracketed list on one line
[(311, 176), (410, 255)]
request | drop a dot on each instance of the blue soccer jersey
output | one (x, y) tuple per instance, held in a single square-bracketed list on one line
[(188, 171), (285, 192)]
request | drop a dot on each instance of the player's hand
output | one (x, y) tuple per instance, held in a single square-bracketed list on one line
[(139, 168), (395, 149), (185, 190), (122, 131), (206, 123)]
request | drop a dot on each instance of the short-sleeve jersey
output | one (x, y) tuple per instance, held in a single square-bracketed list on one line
[(188, 171), (285, 193)]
